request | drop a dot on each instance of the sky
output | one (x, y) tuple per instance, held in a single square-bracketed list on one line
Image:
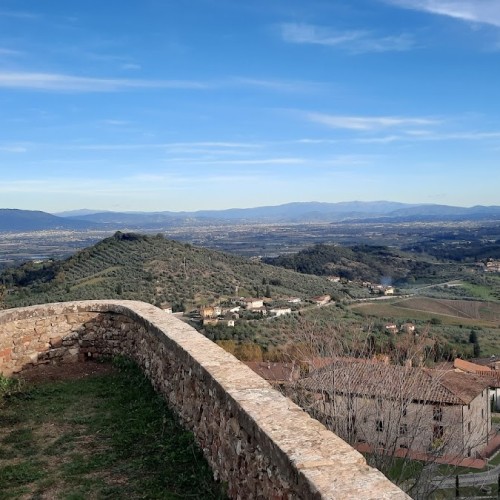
[(209, 104)]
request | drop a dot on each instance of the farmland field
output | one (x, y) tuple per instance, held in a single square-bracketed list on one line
[(452, 312)]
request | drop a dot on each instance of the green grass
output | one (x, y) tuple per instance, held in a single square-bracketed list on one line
[(481, 291), (495, 460), (107, 436)]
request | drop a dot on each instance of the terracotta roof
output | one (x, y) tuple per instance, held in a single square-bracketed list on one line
[(469, 367), (391, 381), (274, 372), (464, 385), (485, 361)]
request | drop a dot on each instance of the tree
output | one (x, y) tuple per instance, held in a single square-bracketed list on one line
[(3, 294), (476, 349), (389, 406)]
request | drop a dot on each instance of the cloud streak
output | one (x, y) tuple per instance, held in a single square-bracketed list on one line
[(478, 11), (277, 85), (356, 41), (70, 83), (17, 14), (26, 80), (366, 123)]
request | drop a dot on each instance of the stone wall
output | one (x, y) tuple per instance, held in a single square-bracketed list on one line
[(256, 440)]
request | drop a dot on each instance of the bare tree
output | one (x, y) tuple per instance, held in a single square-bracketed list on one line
[(403, 415)]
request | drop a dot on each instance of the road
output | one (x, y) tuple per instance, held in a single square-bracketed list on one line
[(471, 479)]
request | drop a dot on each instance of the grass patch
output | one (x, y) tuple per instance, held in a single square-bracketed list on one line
[(495, 460), (481, 291), (105, 436)]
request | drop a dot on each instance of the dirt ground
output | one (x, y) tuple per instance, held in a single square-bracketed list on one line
[(67, 371)]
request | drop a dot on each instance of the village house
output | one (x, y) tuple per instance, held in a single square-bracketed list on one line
[(211, 311), (166, 307), (488, 371), (206, 312), (294, 300), (407, 328), (280, 311), (251, 303), (321, 300), (261, 310), (334, 279), (391, 328), (210, 321), (400, 409), (380, 289), (493, 266)]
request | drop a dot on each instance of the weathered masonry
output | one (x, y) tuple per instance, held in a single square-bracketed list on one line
[(256, 440)]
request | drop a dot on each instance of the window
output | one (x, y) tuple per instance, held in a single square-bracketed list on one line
[(351, 425), (380, 425), (403, 430), (438, 432), (437, 413), (404, 410), (350, 404), (468, 427)]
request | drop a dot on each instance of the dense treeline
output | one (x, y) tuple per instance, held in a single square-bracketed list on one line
[(462, 251), (360, 262)]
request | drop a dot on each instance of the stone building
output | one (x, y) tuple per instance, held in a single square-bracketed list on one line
[(394, 408)]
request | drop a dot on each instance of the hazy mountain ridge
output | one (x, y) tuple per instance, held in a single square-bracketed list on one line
[(30, 220), (301, 212)]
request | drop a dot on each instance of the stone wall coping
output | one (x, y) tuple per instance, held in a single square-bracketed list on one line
[(331, 467)]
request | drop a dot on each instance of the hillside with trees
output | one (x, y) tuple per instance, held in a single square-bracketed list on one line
[(362, 263), (156, 270)]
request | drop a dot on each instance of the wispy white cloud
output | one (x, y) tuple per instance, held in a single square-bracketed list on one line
[(356, 41), (253, 161), (477, 11), (168, 145), (277, 85), (70, 83), (13, 149), (131, 66), (460, 136), (411, 136), (116, 123), (18, 14), (10, 52), (365, 123), (379, 140)]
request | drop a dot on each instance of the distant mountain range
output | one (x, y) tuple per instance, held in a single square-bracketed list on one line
[(303, 212), (31, 220)]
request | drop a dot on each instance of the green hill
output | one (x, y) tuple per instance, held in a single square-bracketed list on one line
[(155, 270), (365, 263)]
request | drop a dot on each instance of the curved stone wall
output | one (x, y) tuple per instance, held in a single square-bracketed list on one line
[(256, 440)]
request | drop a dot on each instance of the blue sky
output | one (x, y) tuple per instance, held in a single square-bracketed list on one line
[(206, 104)]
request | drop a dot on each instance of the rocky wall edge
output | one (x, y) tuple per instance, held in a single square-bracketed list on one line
[(311, 460)]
